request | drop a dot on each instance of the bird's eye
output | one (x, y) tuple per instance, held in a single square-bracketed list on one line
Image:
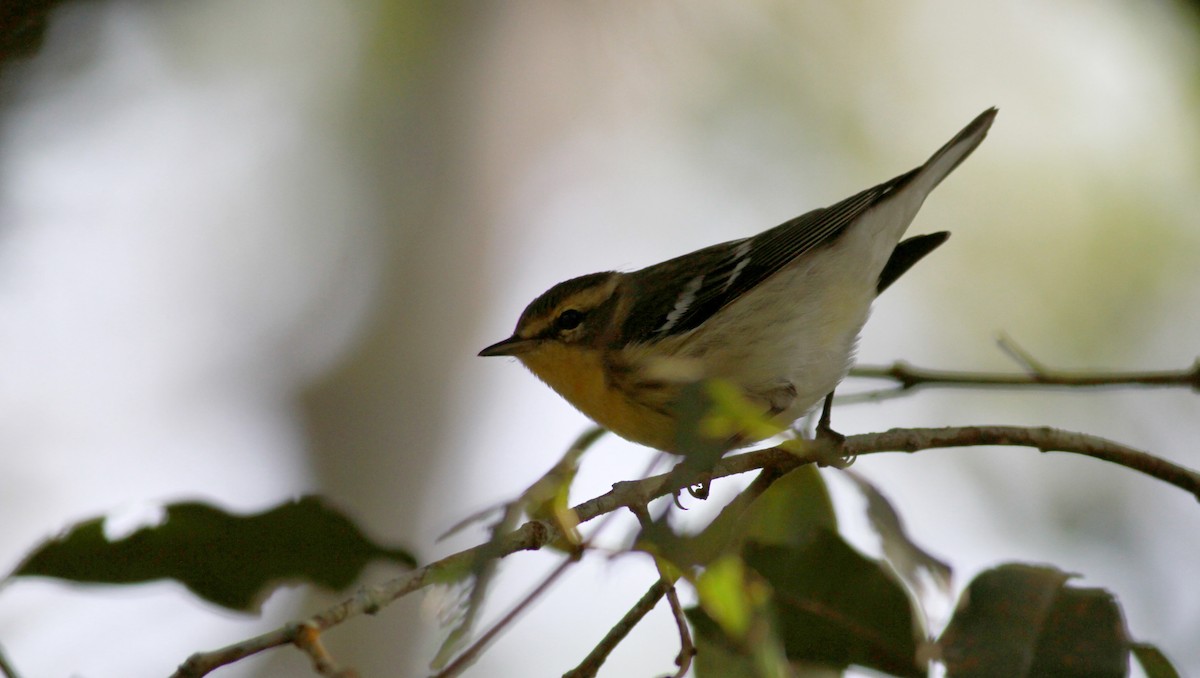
[(568, 320)]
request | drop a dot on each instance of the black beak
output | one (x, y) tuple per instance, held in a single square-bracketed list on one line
[(513, 345)]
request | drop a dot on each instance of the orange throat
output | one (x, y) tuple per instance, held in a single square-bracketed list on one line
[(579, 375)]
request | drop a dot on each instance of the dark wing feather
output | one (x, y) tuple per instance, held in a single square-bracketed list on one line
[(678, 295)]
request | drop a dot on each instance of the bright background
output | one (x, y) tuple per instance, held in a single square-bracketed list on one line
[(249, 250)]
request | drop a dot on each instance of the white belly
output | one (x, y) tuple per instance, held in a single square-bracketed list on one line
[(798, 330)]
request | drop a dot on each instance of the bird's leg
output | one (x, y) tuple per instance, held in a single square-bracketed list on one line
[(829, 443), (780, 399), (700, 485), (824, 429)]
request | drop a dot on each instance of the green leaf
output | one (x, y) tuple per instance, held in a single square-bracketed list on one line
[(732, 415), (718, 657), (1022, 620), (727, 596), (836, 607), (234, 561), (788, 511), (694, 438), (739, 639), (1154, 662)]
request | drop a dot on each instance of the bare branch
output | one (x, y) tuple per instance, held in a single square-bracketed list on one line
[(908, 377), (1045, 439), (686, 649)]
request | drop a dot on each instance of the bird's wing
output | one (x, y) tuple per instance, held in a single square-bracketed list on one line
[(716, 276), (705, 281)]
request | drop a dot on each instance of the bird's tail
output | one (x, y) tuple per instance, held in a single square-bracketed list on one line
[(954, 152)]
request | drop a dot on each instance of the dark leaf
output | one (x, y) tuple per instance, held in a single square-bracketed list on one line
[(234, 561), (836, 607), (718, 655), (788, 511), (1084, 635), (1022, 620), (996, 624)]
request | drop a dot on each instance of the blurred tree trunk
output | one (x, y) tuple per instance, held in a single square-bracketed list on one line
[(378, 424)]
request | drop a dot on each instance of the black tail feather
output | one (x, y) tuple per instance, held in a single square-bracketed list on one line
[(907, 253)]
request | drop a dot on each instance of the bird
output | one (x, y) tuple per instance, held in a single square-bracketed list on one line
[(777, 314)]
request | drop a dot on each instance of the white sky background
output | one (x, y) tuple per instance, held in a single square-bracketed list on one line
[(186, 243)]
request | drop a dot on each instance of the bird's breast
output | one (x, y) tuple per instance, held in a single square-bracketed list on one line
[(581, 376)]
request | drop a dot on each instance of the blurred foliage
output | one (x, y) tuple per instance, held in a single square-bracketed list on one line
[(790, 583), (546, 499), (231, 560), (777, 587), (826, 605), (780, 591), (1022, 620)]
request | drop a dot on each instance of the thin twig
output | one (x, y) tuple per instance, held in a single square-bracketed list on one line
[(468, 655), (686, 649), (535, 534), (909, 377), (1019, 355), (591, 664), (537, 493)]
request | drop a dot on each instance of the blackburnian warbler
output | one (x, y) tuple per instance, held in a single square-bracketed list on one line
[(777, 314)]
